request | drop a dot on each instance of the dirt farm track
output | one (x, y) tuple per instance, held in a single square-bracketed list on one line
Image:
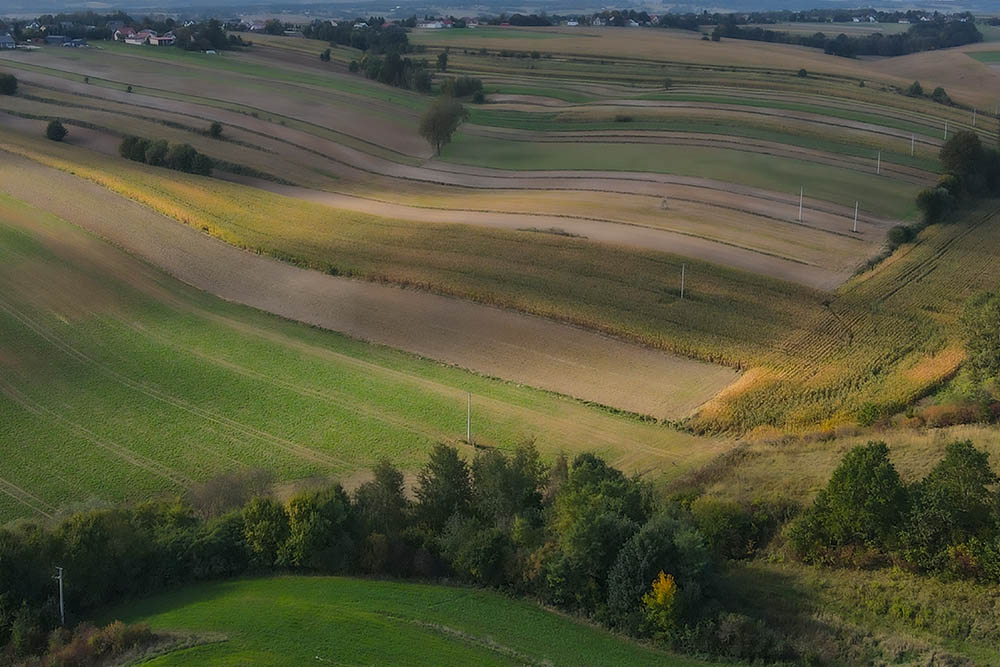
[(516, 347)]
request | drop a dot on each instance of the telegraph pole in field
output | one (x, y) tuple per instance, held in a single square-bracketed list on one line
[(855, 217), (683, 271), (801, 190), (878, 165), (62, 607), (468, 421), (913, 139)]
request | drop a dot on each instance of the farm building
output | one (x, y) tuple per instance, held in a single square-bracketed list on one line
[(6, 42), (56, 39), (121, 34)]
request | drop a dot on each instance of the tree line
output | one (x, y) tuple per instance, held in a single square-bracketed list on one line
[(579, 535), (922, 36), (947, 523), (160, 153)]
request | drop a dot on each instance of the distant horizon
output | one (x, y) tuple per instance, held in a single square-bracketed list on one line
[(25, 8)]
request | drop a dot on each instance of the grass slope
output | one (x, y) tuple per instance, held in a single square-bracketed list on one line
[(127, 383), (316, 620)]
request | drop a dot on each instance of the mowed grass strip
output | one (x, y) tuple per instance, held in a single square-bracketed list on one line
[(883, 196), (305, 620), (129, 384)]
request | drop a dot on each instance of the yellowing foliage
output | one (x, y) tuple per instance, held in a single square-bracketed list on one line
[(660, 604)]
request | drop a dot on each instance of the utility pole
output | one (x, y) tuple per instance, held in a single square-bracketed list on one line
[(801, 190), (878, 165), (973, 116), (855, 217), (468, 421), (913, 138), (62, 608), (946, 130), (683, 271)]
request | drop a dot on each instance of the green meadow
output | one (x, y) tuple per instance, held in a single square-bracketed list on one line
[(316, 620)]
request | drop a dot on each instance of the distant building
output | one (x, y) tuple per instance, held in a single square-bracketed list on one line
[(7, 42), (163, 40), (75, 43), (123, 33), (433, 25), (56, 39)]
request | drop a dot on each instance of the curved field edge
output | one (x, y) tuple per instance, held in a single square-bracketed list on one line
[(131, 384), (300, 620), (813, 359)]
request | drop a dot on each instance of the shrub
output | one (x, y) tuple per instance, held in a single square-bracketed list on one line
[(133, 148), (915, 90), (862, 505), (940, 96), (55, 131), (8, 84), (934, 203), (803, 74), (215, 130), (156, 152), (899, 235), (668, 83), (478, 97), (463, 86), (354, 66)]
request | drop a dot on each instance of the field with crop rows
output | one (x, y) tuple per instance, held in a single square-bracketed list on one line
[(581, 204), (127, 383)]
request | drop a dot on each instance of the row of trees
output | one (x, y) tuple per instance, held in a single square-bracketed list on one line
[(925, 36), (946, 523), (582, 536), (159, 153)]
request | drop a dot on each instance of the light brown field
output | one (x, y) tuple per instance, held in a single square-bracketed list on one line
[(495, 342), (743, 227)]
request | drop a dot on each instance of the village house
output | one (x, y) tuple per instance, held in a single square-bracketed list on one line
[(6, 42), (121, 34)]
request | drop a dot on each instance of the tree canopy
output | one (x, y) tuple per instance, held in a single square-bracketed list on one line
[(441, 120)]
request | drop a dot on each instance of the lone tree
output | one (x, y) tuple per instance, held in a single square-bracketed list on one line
[(441, 120), (215, 130), (443, 61), (55, 131), (962, 153), (8, 84)]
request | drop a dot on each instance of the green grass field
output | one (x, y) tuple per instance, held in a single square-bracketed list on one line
[(129, 384), (315, 620), (842, 186), (986, 56)]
